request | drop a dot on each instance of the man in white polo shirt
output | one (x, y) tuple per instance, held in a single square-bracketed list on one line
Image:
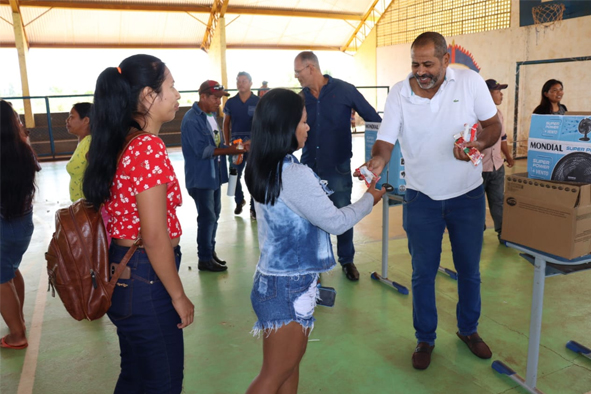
[(444, 189)]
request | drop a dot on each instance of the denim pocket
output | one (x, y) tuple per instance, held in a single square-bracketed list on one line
[(411, 196), (344, 168), (475, 194), (121, 302), (265, 287), (301, 283)]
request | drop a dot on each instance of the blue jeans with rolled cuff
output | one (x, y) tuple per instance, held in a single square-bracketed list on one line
[(209, 206), (151, 344), (424, 221)]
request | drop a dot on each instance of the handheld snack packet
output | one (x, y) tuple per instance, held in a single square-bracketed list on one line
[(468, 135), (367, 175)]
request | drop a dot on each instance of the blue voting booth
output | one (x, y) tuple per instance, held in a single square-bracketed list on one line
[(394, 171), (395, 176)]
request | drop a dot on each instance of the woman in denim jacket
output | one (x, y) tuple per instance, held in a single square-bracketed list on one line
[(295, 218)]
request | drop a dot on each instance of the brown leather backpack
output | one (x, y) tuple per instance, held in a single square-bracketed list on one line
[(78, 258)]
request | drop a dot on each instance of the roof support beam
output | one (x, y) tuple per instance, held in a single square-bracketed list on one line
[(180, 46), (368, 22), (217, 10), (217, 54), (22, 47), (98, 5)]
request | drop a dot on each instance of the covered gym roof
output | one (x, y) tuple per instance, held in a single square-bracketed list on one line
[(250, 24)]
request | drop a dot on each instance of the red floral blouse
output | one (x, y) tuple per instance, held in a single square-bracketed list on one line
[(144, 164)]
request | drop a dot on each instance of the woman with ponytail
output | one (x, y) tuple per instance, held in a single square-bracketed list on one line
[(141, 192), (19, 166)]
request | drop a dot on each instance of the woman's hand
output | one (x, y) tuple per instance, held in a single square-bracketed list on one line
[(184, 307), (376, 194)]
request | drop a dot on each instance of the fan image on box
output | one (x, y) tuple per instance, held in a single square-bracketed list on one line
[(585, 128), (574, 167)]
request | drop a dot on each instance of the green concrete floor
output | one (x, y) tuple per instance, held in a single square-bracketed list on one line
[(362, 345)]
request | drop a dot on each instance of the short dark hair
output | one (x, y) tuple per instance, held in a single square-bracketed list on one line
[(431, 37), (310, 57), (244, 74), (115, 112), (83, 109), (273, 137)]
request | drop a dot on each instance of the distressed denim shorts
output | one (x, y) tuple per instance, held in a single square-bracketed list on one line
[(279, 300)]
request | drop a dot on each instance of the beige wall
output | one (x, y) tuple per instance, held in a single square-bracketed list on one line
[(365, 68), (497, 53)]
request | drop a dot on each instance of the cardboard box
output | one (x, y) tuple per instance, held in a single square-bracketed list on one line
[(559, 148), (553, 217), (393, 173)]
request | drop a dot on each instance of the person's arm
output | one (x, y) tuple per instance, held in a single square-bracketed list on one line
[(363, 108), (381, 151), (227, 120), (303, 194), (507, 152), (380, 156), (484, 108), (491, 131), (151, 205), (231, 150)]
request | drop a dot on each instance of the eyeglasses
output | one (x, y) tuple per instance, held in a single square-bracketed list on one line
[(297, 72)]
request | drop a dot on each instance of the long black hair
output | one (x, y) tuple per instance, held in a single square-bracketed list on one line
[(18, 165), (116, 110), (545, 107), (273, 136)]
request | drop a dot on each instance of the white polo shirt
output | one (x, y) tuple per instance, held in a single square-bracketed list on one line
[(425, 129)]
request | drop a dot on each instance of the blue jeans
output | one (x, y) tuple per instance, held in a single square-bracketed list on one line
[(239, 194), (494, 186), (152, 349), (15, 237), (424, 221), (341, 182), (209, 206)]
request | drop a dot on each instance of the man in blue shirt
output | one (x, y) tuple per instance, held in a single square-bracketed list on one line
[(237, 124), (205, 169), (328, 149)]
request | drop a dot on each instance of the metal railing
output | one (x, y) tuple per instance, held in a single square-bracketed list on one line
[(49, 130)]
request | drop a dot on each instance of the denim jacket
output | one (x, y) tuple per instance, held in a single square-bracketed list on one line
[(203, 170), (290, 244)]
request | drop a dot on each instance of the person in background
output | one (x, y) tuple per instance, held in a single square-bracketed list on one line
[(552, 93), (295, 220), (328, 150), (149, 306), (78, 124), (493, 169), (238, 113), (19, 167), (205, 169), (263, 89)]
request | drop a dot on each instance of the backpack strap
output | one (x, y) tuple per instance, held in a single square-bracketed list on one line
[(132, 135), (123, 263)]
